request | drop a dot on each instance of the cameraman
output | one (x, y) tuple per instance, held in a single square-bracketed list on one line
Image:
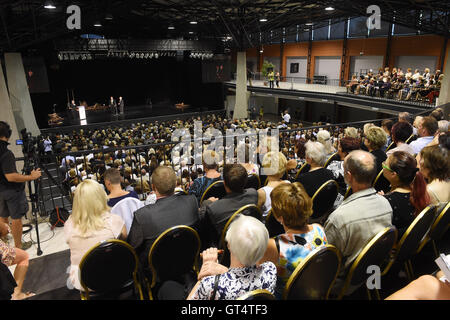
[(13, 200)]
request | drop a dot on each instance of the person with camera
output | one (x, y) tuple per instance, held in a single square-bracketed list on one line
[(13, 200)]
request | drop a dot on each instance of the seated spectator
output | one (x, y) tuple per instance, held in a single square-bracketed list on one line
[(401, 131), (361, 216), (345, 146), (90, 222), (375, 140), (247, 240), (386, 125), (316, 176), (292, 207), (274, 163), (210, 176), (10, 256), (427, 128), (169, 210), (351, 132), (425, 287), (352, 84), (324, 137), (435, 166), (218, 211), (408, 195), (293, 165), (112, 184)]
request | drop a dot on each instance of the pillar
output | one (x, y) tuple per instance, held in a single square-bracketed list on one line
[(19, 95), (444, 95), (7, 115), (241, 106)]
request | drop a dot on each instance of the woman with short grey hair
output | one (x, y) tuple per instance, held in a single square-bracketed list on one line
[(247, 240), (316, 176)]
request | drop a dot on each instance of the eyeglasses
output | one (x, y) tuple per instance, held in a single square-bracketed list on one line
[(386, 167)]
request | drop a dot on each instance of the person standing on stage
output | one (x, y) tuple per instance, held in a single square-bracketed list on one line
[(13, 200), (121, 105), (113, 105)]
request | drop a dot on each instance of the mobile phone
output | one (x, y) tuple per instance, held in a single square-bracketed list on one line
[(19, 142)]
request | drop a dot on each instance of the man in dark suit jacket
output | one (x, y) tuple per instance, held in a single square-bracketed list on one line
[(121, 105), (113, 105), (216, 212), (168, 211)]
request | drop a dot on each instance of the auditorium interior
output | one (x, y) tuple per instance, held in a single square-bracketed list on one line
[(151, 90)]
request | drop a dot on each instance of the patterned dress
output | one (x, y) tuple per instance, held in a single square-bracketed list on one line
[(237, 282), (7, 253), (293, 248)]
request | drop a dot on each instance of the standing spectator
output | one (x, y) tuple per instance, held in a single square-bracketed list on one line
[(349, 228), (277, 79)]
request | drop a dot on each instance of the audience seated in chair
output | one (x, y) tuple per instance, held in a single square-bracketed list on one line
[(216, 212), (435, 167), (169, 210), (361, 216), (316, 176), (10, 256), (401, 131), (211, 175), (274, 165), (90, 222), (408, 195), (292, 207), (375, 140), (247, 239), (426, 128)]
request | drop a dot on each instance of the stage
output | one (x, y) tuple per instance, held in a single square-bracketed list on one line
[(71, 118)]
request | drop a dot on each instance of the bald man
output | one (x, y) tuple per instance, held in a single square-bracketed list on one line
[(361, 216)]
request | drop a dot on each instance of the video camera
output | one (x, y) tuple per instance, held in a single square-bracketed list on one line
[(29, 143)]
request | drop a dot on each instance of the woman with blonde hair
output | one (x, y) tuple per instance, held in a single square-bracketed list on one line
[(292, 207), (274, 166), (90, 222), (210, 162), (324, 137)]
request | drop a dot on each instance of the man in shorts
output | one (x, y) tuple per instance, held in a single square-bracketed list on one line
[(13, 200)]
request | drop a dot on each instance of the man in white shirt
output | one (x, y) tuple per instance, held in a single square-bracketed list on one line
[(427, 128), (286, 117)]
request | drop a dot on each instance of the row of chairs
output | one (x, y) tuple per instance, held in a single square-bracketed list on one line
[(111, 267)]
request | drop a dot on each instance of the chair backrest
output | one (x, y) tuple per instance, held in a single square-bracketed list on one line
[(411, 239), (260, 294), (253, 182), (381, 183), (304, 168), (375, 253), (249, 210), (273, 226), (126, 208), (174, 254), (216, 189), (348, 192), (441, 224), (313, 278), (324, 198), (334, 156), (108, 266)]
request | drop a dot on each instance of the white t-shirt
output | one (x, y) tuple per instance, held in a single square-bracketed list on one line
[(286, 117)]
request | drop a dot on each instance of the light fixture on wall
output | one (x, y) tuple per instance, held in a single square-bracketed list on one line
[(263, 20), (329, 8)]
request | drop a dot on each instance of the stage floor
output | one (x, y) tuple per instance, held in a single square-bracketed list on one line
[(130, 113)]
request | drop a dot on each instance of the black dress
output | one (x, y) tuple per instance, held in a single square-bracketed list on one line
[(403, 212), (312, 180)]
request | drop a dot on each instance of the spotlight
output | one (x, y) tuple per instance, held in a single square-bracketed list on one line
[(108, 16), (191, 32), (309, 24), (171, 28), (263, 20), (193, 22), (329, 8), (49, 5), (97, 24)]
